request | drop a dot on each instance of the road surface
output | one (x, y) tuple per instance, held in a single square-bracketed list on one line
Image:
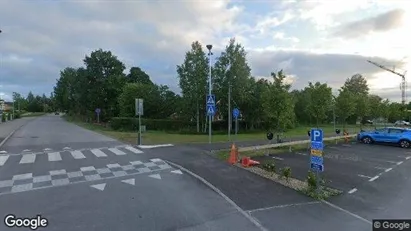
[(80, 180)]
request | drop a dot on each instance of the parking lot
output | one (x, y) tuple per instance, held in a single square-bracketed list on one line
[(347, 167)]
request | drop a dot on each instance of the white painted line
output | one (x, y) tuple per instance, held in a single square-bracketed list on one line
[(47, 149), (244, 213), (54, 156), (156, 176), (408, 157), (131, 181), (137, 162), (87, 169), (352, 191), (155, 160), (346, 211), (177, 171), (116, 165), (77, 155), (373, 179), (282, 206), (23, 176), (155, 146), (388, 169), (116, 151), (133, 150), (98, 153), (400, 162), (66, 148), (381, 168), (277, 158), (300, 153), (99, 186), (3, 159), (364, 176), (3, 152), (26, 150), (28, 159)]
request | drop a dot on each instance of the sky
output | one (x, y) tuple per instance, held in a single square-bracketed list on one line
[(326, 41)]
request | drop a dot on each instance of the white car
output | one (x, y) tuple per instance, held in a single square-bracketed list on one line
[(401, 123)]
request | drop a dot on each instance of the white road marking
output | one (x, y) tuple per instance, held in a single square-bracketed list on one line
[(3, 159), (300, 153), (99, 186), (98, 152), (3, 152), (23, 176), (133, 150), (381, 168), (26, 150), (54, 156), (77, 155), (177, 171), (155, 146), (388, 169), (400, 162), (156, 176), (346, 211), (28, 158), (364, 176), (282, 206), (113, 165), (277, 158), (116, 151), (131, 181), (47, 149), (66, 148), (137, 162), (155, 160), (408, 157), (352, 191), (87, 169), (374, 178)]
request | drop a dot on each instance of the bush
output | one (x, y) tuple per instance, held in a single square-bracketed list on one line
[(3, 117), (286, 173), (17, 115), (311, 181), (8, 116), (269, 166)]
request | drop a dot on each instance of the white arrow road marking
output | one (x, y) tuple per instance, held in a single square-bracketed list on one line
[(157, 176), (99, 186), (131, 181), (177, 171)]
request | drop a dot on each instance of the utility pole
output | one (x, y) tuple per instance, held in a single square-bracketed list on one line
[(229, 101), (403, 84), (210, 117)]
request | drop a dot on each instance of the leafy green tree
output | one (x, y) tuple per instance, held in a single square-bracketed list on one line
[(374, 102), (150, 95), (137, 75), (345, 104), (301, 100), (192, 75), (319, 100), (358, 86)]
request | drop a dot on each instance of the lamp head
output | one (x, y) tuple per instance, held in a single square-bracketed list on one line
[(209, 47)]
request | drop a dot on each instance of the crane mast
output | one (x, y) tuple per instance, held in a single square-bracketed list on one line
[(403, 85)]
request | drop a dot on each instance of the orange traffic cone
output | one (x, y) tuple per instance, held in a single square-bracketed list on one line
[(252, 162), (245, 161), (233, 155)]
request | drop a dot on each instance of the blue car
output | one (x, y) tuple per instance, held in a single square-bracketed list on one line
[(400, 136)]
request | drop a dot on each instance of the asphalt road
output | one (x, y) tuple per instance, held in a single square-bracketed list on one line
[(80, 180)]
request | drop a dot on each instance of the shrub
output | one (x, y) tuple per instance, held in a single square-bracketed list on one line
[(286, 173), (269, 166), (311, 181), (3, 117)]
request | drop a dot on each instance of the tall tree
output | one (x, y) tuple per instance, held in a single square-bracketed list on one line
[(319, 102), (137, 75), (150, 95), (358, 86), (345, 104), (192, 75)]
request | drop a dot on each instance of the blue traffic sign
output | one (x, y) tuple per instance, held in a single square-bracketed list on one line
[(236, 113), (210, 110), (98, 110), (317, 160), (317, 146), (316, 135), (210, 100), (317, 167)]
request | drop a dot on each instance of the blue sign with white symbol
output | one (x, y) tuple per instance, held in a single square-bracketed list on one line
[(210, 110), (317, 167), (317, 146), (98, 110), (316, 135), (236, 113), (317, 160), (210, 100)]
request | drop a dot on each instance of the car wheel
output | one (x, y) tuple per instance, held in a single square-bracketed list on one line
[(366, 140), (404, 144)]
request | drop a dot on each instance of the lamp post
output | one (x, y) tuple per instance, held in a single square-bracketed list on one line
[(229, 102), (210, 117)]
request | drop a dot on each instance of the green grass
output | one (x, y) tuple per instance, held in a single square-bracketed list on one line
[(33, 114), (159, 137)]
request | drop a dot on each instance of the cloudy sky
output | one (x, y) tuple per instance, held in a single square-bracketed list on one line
[(325, 41)]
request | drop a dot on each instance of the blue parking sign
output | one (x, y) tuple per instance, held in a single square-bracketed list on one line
[(316, 135)]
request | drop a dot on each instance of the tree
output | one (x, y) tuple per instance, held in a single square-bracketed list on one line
[(319, 100), (374, 102), (192, 75), (357, 84), (137, 75), (278, 103), (301, 100), (345, 104), (150, 95)]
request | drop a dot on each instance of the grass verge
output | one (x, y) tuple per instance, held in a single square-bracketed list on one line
[(33, 114)]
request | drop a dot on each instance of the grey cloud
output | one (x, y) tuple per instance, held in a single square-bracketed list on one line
[(383, 22)]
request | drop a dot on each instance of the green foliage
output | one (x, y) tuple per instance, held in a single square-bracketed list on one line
[(345, 104), (269, 166), (286, 173), (311, 181), (319, 101)]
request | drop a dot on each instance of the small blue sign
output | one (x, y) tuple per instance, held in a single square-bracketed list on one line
[(317, 167), (210, 100), (98, 110), (236, 113), (316, 135), (317, 146), (210, 110), (317, 160)]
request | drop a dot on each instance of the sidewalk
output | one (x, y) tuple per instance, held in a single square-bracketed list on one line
[(8, 127)]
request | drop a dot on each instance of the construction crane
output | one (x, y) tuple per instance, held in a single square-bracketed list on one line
[(403, 85)]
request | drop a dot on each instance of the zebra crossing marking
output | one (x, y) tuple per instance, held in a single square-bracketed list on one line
[(77, 155), (28, 159), (133, 150), (54, 156), (3, 159), (117, 151), (98, 153)]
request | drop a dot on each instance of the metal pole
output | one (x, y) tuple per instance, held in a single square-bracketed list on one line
[(229, 112), (236, 128), (13, 108), (139, 128), (209, 92)]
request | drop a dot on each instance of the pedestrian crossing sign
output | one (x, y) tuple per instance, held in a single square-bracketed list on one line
[(210, 110), (211, 100)]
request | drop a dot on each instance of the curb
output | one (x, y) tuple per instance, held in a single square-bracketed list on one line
[(11, 133)]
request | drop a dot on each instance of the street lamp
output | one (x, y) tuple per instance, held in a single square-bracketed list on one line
[(209, 47), (229, 101)]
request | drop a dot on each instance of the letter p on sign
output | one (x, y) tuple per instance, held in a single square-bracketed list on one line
[(316, 135)]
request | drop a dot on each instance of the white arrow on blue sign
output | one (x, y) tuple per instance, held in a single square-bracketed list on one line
[(317, 160), (98, 110), (236, 113)]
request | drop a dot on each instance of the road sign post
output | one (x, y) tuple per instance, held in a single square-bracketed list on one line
[(316, 153), (210, 102), (139, 112), (236, 114), (98, 111)]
